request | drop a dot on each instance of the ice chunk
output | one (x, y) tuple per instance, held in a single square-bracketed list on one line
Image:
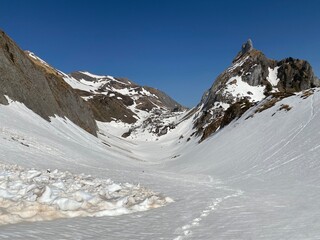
[(5, 194), (114, 188), (81, 196), (32, 174), (47, 197), (66, 204)]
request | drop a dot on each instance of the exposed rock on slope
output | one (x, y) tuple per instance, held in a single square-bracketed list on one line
[(40, 88), (251, 78), (295, 75), (121, 100)]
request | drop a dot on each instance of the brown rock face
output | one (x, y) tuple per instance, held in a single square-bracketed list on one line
[(41, 89), (296, 75), (106, 109)]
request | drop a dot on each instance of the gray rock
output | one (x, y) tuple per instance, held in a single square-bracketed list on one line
[(296, 75), (246, 47), (41, 89)]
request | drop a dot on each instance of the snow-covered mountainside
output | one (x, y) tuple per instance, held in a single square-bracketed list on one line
[(254, 175)]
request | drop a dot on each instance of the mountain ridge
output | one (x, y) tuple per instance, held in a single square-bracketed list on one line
[(251, 78)]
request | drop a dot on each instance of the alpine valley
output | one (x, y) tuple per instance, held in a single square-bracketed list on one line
[(85, 156)]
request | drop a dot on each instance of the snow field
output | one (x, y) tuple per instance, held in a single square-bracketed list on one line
[(273, 76), (35, 195), (238, 89)]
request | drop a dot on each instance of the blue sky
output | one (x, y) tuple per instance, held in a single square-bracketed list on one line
[(177, 46)]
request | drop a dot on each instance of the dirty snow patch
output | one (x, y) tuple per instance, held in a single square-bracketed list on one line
[(37, 195)]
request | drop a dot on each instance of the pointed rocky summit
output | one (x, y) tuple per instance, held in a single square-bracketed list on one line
[(246, 47)]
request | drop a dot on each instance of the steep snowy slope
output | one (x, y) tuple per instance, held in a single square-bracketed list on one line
[(273, 157)]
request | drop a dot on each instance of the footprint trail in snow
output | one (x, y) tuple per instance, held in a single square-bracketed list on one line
[(186, 230)]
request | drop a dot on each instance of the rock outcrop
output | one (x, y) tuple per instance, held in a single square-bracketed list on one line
[(246, 47), (39, 87), (296, 75)]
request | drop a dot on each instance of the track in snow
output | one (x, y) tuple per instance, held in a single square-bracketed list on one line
[(186, 230)]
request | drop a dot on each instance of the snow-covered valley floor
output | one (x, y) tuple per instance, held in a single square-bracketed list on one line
[(258, 178)]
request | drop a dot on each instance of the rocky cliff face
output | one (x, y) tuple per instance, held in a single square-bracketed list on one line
[(251, 78), (39, 87)]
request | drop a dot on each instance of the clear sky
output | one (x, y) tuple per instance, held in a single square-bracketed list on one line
[(178, 46)]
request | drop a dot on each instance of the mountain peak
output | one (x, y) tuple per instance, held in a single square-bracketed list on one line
[(247, 47)]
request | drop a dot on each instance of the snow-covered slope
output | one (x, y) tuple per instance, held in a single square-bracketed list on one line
[(273, 157), (254, 179)]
